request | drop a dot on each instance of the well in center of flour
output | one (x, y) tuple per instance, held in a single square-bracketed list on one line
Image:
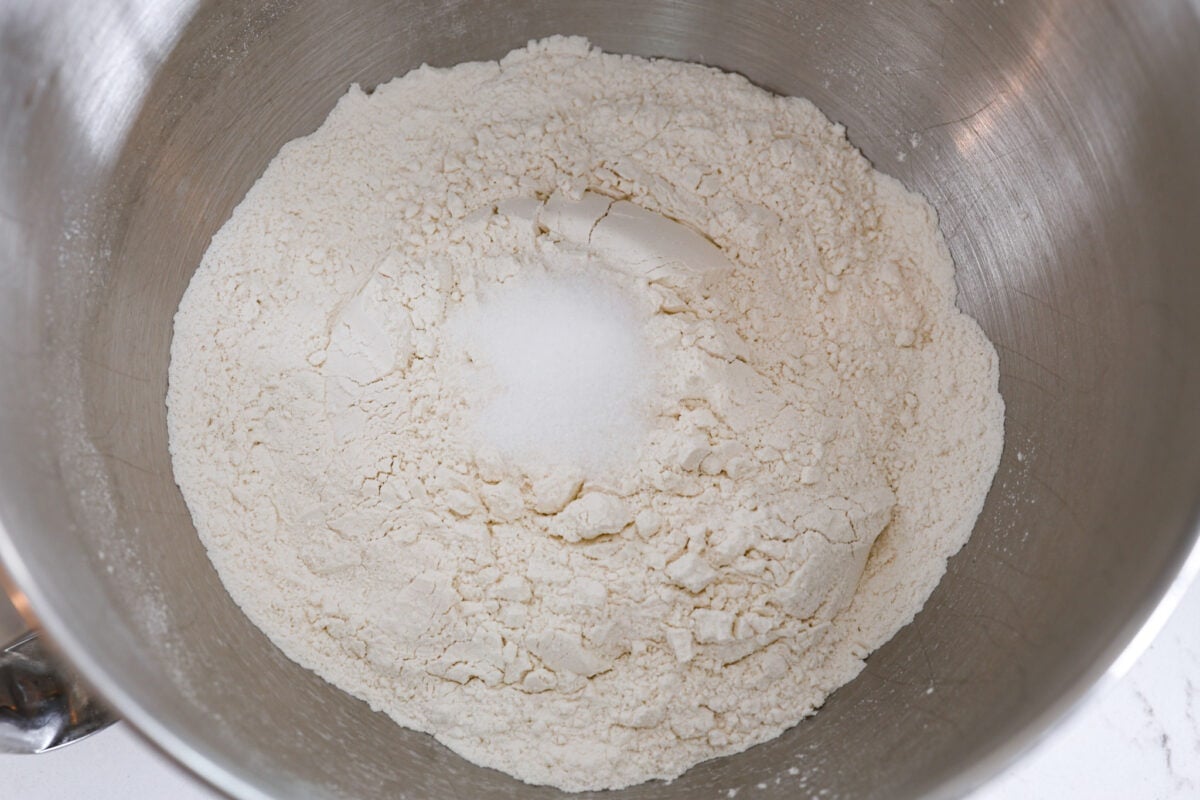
[(567, 367)]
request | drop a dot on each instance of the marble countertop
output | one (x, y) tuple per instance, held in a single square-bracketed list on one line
[(1138, 738)]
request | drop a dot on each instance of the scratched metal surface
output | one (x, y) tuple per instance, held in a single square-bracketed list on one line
[(1055, 137)]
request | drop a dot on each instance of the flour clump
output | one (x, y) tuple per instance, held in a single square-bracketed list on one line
[(595, 415)]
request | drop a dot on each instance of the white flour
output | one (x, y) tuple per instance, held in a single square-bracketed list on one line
[(598, 570)]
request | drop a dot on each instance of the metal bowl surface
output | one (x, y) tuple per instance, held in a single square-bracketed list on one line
[(1056, 138)]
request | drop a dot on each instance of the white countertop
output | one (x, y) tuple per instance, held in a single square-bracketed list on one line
[(1140, 738)]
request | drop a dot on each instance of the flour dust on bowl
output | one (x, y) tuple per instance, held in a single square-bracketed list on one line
[(1054, 143)]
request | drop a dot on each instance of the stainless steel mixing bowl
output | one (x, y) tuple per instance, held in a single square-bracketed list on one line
[(1057, 138)]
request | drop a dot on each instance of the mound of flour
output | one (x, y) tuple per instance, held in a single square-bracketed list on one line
[(596, 415)]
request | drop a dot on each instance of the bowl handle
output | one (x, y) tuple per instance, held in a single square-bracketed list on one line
[(43, 705)]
